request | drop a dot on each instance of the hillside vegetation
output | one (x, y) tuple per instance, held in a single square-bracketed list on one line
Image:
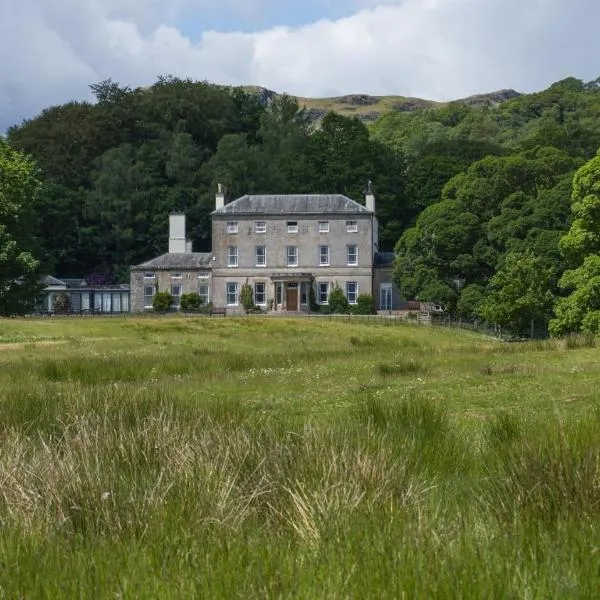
[(469, 193), (257, 457)]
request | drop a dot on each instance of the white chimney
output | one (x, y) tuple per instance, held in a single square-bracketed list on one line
[(370, 197), (220, 196), (177, 242), (188, 246)]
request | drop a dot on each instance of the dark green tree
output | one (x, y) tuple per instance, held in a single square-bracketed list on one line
[(19, 185), (519, 294)]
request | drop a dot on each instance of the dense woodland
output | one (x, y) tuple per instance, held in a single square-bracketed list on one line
[(479, 203)]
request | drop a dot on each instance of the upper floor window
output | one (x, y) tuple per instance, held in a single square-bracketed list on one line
[(260, 227), (323, 226), (351, 226), (232, 227), (176, 275), (261, 256), (351, 291), (232, 256), (324, 256), (292, 256), (149, 275), (352, 255), (292, 226)]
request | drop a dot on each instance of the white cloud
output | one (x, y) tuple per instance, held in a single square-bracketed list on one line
[(51, 50)]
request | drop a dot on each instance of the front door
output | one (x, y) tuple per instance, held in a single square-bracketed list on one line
[(291, 298)]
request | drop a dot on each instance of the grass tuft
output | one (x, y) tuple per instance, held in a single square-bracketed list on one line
[(285, 458)]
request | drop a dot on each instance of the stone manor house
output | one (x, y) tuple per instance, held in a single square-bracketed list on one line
[(283, 246)]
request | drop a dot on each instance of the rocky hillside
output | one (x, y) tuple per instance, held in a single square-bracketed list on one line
[(369, 108)]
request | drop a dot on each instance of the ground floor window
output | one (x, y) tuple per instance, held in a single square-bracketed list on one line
[(385, 296), (176, 293), (203, 292), (278, 293), (351, 291), (323, 290), (232, 293), (148, 295), (260, 296)]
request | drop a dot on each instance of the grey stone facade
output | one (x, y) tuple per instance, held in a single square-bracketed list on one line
[(287, 247)]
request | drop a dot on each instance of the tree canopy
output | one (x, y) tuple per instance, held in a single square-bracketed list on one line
[(18, 267), (462, 189)]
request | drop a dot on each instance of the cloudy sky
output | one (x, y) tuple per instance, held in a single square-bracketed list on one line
[(51, 50)]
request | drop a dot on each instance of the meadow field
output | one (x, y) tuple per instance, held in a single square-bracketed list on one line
[(258, 457)]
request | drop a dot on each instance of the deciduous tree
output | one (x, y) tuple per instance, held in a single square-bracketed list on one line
[(18, 267)]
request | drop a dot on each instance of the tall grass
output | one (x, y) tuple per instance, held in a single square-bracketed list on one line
[(191, 468)]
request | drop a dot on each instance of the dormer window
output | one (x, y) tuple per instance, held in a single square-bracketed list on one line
[(292, 226), (232, 227)]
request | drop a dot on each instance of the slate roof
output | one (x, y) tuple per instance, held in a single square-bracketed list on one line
[(48, 280), (73, 282), (183, 261), (293, 204)]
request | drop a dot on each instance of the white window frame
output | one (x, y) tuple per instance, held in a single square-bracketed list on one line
[(384, 290), (352, 226), (323, 226), (232, 288), (257, 263), (262, 302), (354, 293), (176, 297), (292, 226), (327, 290), (324, 256), (232, 256), (146, 287), (260, 227), (293, 255), (232, 227), (203, 283), (177, 275), (149, 275), (352, 263)]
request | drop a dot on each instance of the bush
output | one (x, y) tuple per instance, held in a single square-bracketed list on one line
[(62, 303), (247, 298), (162, 302), (191, 302), (364, 305), (338, 303)]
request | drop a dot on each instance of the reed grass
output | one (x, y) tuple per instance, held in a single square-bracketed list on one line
[(267, 458)]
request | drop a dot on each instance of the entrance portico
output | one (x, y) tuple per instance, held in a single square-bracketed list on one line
[(292, 291)]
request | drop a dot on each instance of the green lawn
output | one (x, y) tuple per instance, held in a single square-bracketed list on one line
[(295, 458)]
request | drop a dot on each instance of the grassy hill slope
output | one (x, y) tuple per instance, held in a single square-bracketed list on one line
[(369, 108)]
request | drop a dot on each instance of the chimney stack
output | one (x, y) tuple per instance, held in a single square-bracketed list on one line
[(220, 196), (177, 241), (370, 197)]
